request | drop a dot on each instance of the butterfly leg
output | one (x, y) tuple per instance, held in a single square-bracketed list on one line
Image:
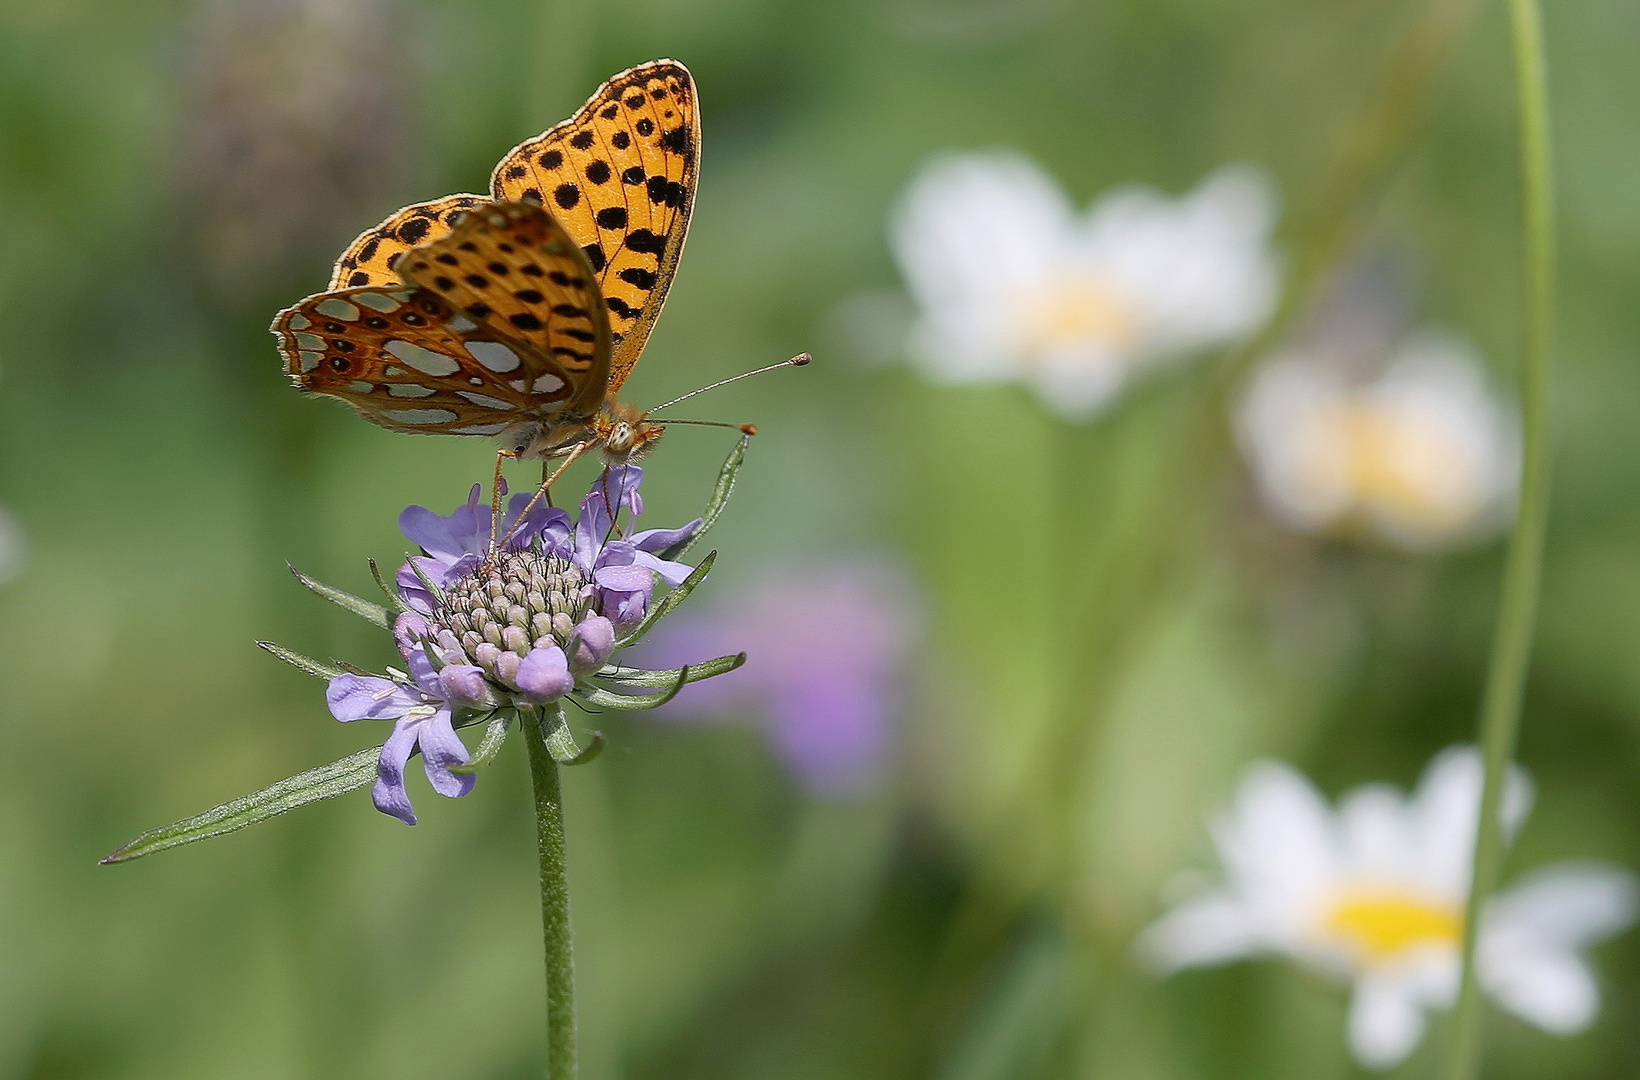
[(544, 491), (501, 458)]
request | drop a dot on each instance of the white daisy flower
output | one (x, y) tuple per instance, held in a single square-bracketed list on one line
[(1013, 283), (1424, 454), (1374, 893)]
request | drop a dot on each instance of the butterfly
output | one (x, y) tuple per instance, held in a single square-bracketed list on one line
[(519, 315)]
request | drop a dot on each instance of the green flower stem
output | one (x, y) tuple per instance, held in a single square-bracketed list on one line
[(1512, 643), (549, 831)]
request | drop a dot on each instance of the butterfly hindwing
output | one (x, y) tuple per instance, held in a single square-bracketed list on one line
[(513, 270), (408, 362), (369, 259), (620, 175)]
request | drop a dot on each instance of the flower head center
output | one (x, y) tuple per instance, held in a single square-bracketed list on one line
[(1074, 312), (1407, 468), (1380, 925), (521, 601)]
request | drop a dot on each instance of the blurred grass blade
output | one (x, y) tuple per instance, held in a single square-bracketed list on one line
[(671, 600), (721, 491), (347, 601), (634, 702), (696, 672), (495, 734), (325, 782), (306, 663)]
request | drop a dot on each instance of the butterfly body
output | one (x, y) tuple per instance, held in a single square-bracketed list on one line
[(519, 315)]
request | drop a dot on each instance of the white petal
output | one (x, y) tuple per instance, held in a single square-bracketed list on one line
[(1199, 264), (1377, 841), (1446, 806), (1385, 1022), (1554, 990), (1078, 383), (1570, 905), (1278, 848), (1208, 929), (972, 233), (1286, 423)]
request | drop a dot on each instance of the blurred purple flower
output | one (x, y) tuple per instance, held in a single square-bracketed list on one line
[(827, 655)]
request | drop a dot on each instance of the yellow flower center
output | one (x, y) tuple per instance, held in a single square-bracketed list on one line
[(1405, 469), (1380, 925), (1075, 311)]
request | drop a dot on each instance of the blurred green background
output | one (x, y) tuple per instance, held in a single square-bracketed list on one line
[(172, 173)]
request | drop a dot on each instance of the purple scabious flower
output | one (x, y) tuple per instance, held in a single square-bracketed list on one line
[(826, 676), (516, 630)]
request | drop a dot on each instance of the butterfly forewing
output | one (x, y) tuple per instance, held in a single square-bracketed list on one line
[(620, 175), (408, 362), (513, 270), (369, 259)]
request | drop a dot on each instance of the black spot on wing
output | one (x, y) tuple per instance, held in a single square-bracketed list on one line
[(581, 140), (638, 276), (567, 196), (595, 255), (645, 242)]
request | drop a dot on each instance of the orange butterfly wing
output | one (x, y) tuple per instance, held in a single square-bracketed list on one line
[(513, 270), (408, 360), (620, 175), (369, 259)]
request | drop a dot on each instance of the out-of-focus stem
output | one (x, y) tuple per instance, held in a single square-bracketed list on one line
[(549, 832), (1512, 643)]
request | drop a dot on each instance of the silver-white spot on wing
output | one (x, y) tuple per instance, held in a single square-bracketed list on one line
[(310, 341), (361, 387), (546, 384), (487, 402), (423, 360), (461, 324), (493, 355), (420, 416), (377, 302), (410, 390), (337, 308), (299, 321), (310, 360)]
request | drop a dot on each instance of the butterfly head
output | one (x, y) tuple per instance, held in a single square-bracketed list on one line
[(625, 433)]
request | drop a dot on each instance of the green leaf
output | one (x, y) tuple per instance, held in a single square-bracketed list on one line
[(346, 601), (325, 782), (495, 734), (671, 600), (393, 596), (704, 670), (561, 745), (721, 491), (604, 699), (306, 663)]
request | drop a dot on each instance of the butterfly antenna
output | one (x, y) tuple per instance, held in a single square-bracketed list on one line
[(797, 361)]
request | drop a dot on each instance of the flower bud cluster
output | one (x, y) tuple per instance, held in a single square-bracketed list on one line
[(524, 600)]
